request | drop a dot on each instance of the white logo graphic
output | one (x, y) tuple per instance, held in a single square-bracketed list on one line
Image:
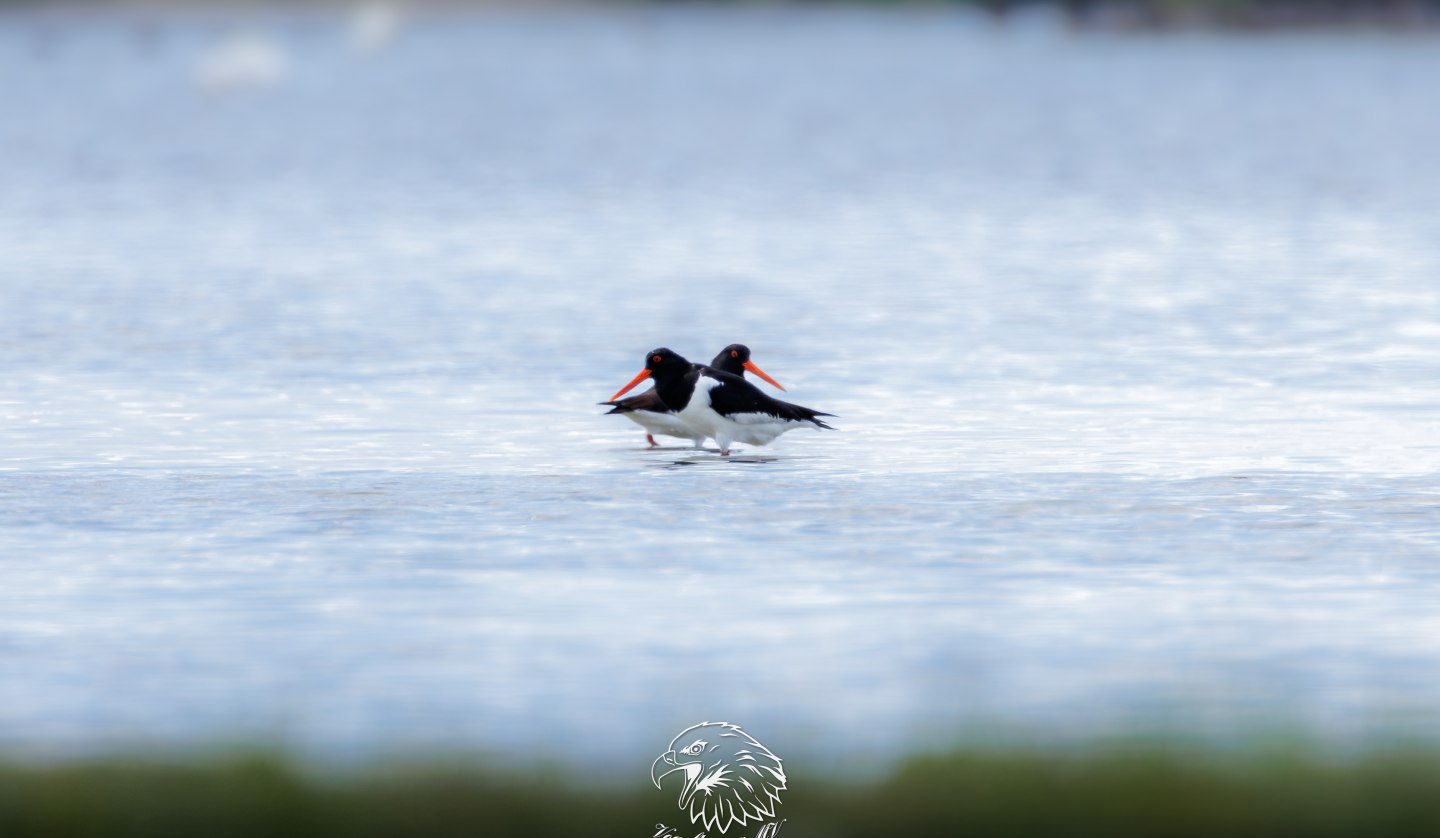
[(727, 777)]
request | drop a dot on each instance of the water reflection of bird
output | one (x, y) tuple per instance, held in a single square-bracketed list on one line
[(647, 411), (719, 405), (727, 777)]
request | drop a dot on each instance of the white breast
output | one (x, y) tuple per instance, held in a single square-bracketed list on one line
[(697, 413), (667, 424)]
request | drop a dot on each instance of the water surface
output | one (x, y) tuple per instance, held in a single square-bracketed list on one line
[(1133, 343)]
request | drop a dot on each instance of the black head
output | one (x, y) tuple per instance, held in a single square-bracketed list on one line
[(662, 365), (732, 359), (735, 359), (662, 360)]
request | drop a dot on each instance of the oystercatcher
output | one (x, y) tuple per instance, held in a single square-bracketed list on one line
[(647, 411), (719, 404)]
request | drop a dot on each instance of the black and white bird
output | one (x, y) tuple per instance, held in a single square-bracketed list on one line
[(719, 405), (647, 411)]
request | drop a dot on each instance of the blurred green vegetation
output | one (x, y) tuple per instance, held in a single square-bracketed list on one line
[(1113, 792)]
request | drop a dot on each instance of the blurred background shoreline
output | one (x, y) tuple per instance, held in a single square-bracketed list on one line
[(1098, 15)]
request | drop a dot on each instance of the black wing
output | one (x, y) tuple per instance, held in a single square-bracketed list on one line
[(736, 395), (648, 400)]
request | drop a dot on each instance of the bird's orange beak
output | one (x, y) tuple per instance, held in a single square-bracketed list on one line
[(750, 365), (644, 374)]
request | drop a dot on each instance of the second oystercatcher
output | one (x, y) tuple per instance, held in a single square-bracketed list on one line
[(720, 405), (647, 411)]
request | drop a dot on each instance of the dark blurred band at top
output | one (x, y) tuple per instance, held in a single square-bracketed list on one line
[(1080, 14)]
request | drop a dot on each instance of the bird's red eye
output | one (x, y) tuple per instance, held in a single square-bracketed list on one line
[(655, 358), (734, 354)]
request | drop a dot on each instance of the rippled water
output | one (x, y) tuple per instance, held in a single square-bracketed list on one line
[(1133, 340)]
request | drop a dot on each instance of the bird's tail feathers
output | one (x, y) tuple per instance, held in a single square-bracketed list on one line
[(805, 414)]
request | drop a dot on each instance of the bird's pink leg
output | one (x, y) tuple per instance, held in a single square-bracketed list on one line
[(725, 453), (650, 439)]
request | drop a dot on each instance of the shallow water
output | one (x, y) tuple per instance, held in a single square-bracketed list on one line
[(1133, 341)]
